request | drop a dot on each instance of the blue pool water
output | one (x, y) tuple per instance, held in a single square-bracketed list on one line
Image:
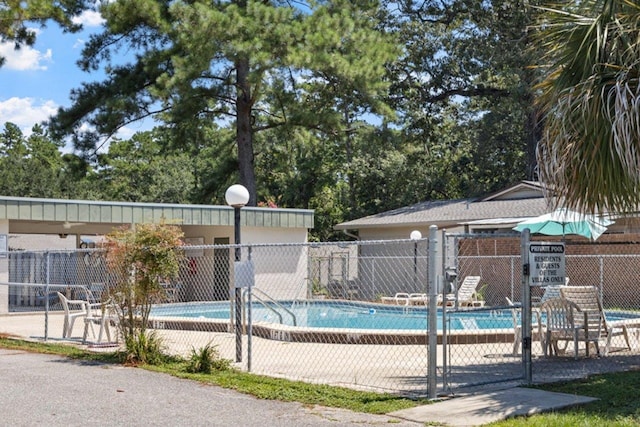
[(334, 314)]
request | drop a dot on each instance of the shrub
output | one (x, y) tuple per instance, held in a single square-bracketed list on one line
[(139, 260), (206, 360), (144, 347)]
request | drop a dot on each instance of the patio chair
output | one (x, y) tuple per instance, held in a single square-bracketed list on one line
[(102, 315), (550, 292), (467, 295), (171, 291), (517, 325), (565, 321), (73, 309), (587, 298)]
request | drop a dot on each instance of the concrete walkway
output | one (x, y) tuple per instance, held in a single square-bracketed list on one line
[(490, 407)]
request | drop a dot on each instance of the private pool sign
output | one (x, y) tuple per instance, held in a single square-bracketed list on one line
[(546, 263)]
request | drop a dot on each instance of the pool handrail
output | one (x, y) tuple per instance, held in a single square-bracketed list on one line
[(274, 302)]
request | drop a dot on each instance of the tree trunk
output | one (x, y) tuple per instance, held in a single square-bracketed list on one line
[(244, 129), (534, 134)]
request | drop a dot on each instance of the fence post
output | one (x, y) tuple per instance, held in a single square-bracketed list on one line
[(46, 295), (512, 278), (526, 307), (433, 314), (445, 286)]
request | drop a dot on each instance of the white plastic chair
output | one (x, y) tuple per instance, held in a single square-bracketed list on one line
[(102, 315), (517, 326), (73, 309)]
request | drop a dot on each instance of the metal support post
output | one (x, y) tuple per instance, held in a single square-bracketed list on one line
[(238, 289), (433, 312), (526, 307)]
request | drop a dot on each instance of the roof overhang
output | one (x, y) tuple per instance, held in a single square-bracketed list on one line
[(495, 221), (22, 213)]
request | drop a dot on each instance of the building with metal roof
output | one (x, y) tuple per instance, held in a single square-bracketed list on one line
[(20, 215), (79, 221)]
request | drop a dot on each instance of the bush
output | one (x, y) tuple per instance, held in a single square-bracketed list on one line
[(139, 260), (206, 360), (144, 348)]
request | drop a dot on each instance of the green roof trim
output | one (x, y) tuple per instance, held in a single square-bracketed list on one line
[(29, 209)]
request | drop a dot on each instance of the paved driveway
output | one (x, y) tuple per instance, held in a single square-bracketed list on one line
[(38, 389)]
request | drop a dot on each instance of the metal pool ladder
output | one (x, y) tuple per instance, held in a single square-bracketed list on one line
[(274, 302)]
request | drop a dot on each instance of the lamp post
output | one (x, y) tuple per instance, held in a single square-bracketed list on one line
[(237, 196), (415, 236)]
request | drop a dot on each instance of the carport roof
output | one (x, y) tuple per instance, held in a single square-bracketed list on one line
[(100, 212)]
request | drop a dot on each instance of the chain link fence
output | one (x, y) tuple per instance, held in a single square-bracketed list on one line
[(612, 267), (352, 313), (322, 313)]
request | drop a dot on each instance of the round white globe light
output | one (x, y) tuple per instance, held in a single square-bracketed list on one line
[(237, 196), (415, 235)]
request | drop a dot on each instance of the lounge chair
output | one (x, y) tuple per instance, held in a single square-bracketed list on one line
[(404, 298), (565, 321), (467, 295), (418, 299), (587, 299), (400, 298)]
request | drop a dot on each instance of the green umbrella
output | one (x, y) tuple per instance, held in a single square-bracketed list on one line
[(564, 221)]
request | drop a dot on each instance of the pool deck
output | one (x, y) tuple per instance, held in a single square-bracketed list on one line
[(368, 365), (363, 366)]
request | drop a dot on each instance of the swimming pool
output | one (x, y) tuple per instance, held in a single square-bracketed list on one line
[(340, 315), (337, 321)]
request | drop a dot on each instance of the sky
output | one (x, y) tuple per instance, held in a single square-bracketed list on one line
[(35, 81)]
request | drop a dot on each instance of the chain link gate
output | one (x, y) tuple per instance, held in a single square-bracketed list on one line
[(474, 359), (481, 345)]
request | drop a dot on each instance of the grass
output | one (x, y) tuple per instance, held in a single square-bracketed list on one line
[(618, 405), (618, 392)]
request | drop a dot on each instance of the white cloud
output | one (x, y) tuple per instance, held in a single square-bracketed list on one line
[(25, 58), (89, 18), (26, 112), (126, 132)]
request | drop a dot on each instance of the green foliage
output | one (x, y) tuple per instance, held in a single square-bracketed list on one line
[(347, 108), (140, 260), (16, 18), (29, 166), (140, 170), (463, 61), (267, 64), (144, 347), (617, 404), (206, 360), (589, 96), (264, 387)]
